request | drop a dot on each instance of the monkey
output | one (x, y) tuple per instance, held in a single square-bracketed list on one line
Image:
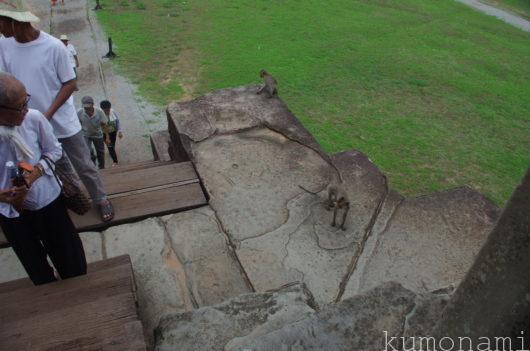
[(270, 86), (337, 200)]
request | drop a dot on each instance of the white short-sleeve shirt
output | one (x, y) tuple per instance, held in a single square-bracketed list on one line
[(42, 65), (71, 54)]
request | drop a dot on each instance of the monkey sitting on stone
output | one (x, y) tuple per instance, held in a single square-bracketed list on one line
[(270, 85), (337, 200)]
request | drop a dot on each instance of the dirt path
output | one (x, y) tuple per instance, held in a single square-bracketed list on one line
[(507, 17), (96, 76)]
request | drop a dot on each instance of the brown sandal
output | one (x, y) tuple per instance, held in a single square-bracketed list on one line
[(106, 210)]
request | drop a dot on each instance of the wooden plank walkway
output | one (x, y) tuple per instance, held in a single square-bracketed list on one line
[(96, 311), (142, 190)]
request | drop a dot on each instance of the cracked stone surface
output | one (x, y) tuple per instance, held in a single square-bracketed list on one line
[(426, 312), (234, 321), (11, 268), (287, 319), (229, 111), (158, 276), (211, 269), (357, 323), (93, 245), (425, 243), (252, 175), (354, 324), (253, 155)]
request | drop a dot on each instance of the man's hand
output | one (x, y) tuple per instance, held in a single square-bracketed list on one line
[(32, 176), (107, 140), (120, 135), (64, 94), (6, 195), (14, 196)]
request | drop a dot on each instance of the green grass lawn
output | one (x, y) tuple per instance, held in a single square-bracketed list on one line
[(518, 7), (436, 94)]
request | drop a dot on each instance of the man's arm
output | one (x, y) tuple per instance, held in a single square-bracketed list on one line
[(64, 94), (104, 126), (76, 61)]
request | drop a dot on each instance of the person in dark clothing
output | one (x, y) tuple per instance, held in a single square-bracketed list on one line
[(113, 127)]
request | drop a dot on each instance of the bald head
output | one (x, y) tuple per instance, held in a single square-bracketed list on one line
[(12, 100), (11, 89)]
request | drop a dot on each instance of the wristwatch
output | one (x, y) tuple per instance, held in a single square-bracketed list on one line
[(40, 169)]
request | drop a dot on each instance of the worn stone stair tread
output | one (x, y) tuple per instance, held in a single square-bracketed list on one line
[(160, 143), (94, 311)]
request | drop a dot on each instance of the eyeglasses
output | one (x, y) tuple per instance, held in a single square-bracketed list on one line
[(21, 109)]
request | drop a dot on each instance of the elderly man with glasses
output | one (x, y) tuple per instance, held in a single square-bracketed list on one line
[(41, 63), (33, 215)]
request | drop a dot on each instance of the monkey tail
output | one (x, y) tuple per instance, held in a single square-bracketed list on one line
[(307, 191)]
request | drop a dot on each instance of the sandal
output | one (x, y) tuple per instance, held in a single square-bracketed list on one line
[(106, 210)]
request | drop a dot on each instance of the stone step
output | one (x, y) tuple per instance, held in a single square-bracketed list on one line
[(160, 145), (288, 319), (211, 328)]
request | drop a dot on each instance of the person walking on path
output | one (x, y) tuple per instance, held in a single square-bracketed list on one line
[(72, 53), (113, 127), (94, 124), (33, 216), (41, 63)]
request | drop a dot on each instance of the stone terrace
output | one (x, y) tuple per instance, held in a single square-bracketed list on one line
[(261, 231)]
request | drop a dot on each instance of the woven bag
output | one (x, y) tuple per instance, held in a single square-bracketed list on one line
[(75, 198)]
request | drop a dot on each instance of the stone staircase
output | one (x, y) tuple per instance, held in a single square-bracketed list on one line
[(259, 267)]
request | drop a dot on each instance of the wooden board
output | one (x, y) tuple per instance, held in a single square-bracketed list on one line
[(139, 206), (92, 268), (132, 167), (96, 311), (148, 177)]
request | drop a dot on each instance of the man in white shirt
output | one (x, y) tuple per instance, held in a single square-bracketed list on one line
[(72, 53), (33, 216), (40, 62)]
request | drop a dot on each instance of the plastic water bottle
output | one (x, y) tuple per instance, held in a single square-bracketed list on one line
[(16, 177)]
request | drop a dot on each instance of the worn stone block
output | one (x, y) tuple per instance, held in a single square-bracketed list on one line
[(160, 142), (357, 323), (252, 315), (11, 268), (159, 275), (93, 245), (212, 271), (425, 243)]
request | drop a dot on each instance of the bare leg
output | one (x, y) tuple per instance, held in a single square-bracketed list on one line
[(333, 222), (346, 209)]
